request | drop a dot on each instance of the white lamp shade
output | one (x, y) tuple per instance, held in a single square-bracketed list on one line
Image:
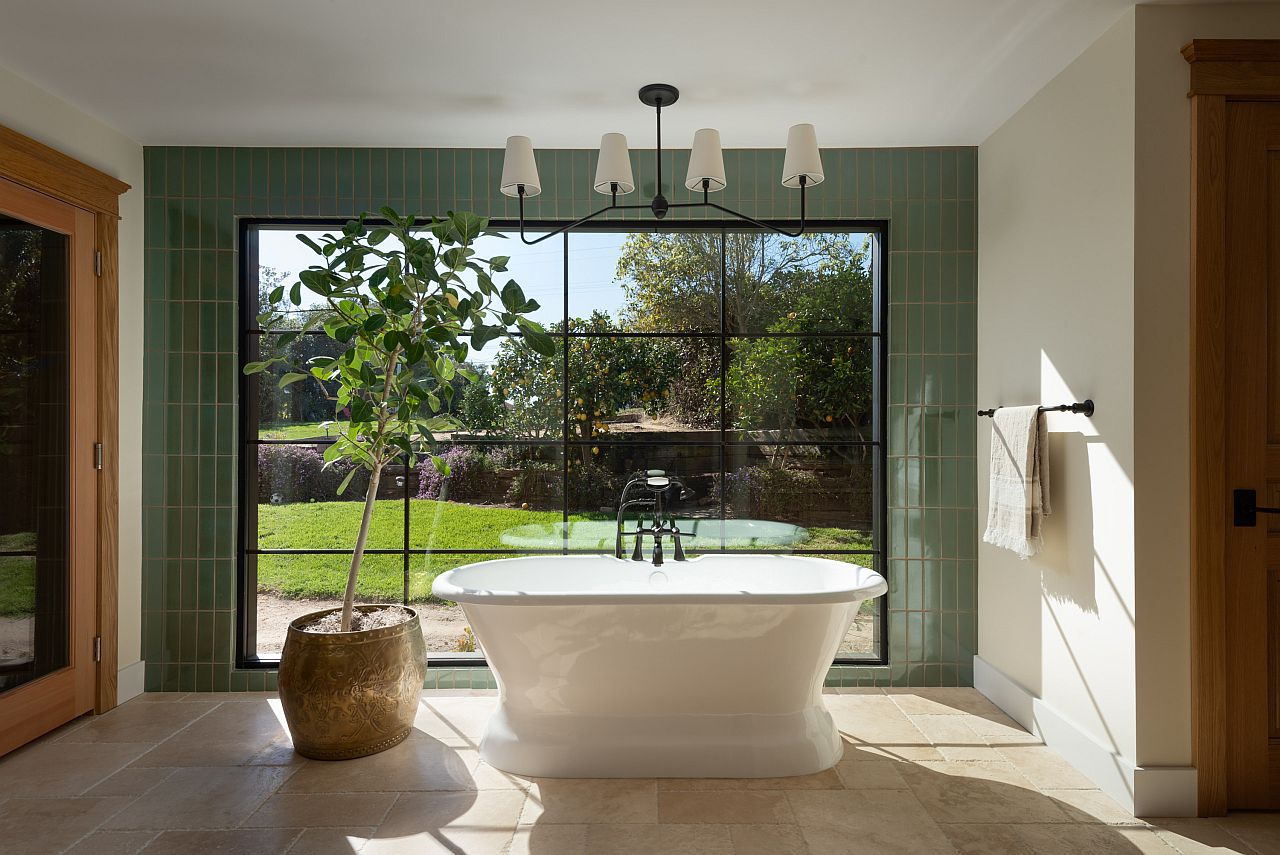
[(519, 167), (614, 165), (706, 161), (802, 157)]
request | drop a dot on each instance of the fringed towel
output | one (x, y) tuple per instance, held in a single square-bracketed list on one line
[(1019, 480)]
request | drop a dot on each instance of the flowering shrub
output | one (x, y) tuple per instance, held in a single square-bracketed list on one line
[(471, 476), (770, 492), (296, 473)]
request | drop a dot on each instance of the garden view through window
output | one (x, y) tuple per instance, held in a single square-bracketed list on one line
[(745, 363)]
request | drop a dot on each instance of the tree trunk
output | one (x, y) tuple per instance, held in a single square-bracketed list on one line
[(349, 598)]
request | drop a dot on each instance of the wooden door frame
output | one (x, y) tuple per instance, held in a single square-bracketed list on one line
[(37, 166), (1221, 71)]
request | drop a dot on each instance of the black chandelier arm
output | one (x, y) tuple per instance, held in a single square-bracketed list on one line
[(705, 203), (562, 229)]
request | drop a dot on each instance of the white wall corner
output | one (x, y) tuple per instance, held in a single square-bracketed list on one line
[(1141, 790), (129, 681)]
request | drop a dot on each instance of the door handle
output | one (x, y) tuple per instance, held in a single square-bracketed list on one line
[(1245, 505)]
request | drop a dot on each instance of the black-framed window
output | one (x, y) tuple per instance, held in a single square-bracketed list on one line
[(750, 365)]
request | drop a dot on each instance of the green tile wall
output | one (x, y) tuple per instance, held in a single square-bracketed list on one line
[(195, 195)]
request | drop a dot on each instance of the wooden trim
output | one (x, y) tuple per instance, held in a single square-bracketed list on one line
[(1208, 444), (1232, 50), (33, 164), (38, 167), (108, 359), (1236, 68)]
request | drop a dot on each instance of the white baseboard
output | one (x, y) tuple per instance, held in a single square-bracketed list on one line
[(129, 681), (1142, 790)]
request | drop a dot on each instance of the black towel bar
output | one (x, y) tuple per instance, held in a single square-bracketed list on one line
[(1084, 408)]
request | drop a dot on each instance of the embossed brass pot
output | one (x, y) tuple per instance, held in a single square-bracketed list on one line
[(351, 694)]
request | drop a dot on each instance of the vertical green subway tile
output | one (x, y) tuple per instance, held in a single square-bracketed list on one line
[(967, 174)]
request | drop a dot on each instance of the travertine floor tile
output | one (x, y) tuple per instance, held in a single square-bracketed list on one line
[(232, 734), (554, 800), (768, 840), (1199, 837), (455, 717), (878, 820), (49, 824), (418, 763), (825, 780), (139, 723), (331, 841), (256, 841), (737, 807), (923, 771), (214, 797), (130, 781), (979, 793), (1259, 830), (64, 769), (1092, 806), (113, 843), (870, 775), (319, 810), (1045, 768), (477, 821), (1033, 839)]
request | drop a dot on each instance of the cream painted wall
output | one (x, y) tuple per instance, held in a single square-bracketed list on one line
[(1161, 299), (1083, 290), (30, 110), (1055, 324)]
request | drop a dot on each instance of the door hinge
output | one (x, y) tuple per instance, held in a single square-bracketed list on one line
[(97, 455), (97, 648), (97, 263)]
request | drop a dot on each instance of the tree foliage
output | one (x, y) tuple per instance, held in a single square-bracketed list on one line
[(404, 305)]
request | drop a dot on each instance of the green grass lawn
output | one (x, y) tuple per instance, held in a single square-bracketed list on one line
[(313, 430), (433, 525), (17, 576)]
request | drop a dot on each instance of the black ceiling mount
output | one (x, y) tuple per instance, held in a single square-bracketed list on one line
[(655, 93)]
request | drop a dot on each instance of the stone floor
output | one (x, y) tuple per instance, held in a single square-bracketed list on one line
[(924, 771)]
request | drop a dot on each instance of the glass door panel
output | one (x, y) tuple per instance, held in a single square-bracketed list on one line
[(35, 577)]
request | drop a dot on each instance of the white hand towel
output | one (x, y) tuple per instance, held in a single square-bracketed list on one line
[(1019, 499)]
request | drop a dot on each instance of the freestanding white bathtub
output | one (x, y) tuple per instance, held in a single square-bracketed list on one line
[(609, 668)]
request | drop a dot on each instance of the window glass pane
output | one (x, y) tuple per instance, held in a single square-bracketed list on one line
[(862, 641), (518, 395), (647, 281), (35, 440), (299, 506), (818, 282), (300, 411), (649, 388), (290, 586), (598, 475), (826, 491), (646, 335), (795, 388), (538, 270)]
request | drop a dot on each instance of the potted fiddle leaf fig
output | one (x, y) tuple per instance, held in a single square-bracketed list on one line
[(405, 302)]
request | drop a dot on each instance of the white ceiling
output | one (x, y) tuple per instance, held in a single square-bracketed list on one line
[(428, 73)]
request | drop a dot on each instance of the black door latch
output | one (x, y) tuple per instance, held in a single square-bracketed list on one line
[(1245, 505)]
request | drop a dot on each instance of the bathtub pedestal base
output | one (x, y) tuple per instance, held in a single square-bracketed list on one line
[(668, 746)]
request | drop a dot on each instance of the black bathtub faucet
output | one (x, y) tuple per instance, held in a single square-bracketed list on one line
[(660, 488)]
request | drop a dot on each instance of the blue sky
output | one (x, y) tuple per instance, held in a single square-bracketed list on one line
[(539, 269)]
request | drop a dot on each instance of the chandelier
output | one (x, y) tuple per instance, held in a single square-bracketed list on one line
[(801, 168)]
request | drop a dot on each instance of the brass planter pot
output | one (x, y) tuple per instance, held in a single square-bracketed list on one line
[(351, 694)]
